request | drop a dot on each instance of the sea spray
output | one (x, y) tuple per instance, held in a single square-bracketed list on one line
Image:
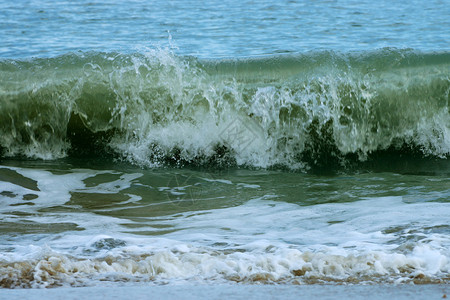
[(157, 108)]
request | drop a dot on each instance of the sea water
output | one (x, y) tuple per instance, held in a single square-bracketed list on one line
[(169, 142)]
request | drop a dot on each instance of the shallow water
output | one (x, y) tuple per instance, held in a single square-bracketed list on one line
[(406, 292), (178, 142), (63, 224)]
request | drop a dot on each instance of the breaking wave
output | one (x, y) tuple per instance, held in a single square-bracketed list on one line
[(294, 111)]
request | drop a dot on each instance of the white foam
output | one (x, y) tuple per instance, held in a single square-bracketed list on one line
[(374, 239), (194, 264)]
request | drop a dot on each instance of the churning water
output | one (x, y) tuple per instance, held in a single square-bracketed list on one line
[(292, 142)]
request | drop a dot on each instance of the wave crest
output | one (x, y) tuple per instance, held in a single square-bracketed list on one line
[(157, 108)]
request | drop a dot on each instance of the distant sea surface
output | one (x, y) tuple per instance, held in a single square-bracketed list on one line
[(225, 142)]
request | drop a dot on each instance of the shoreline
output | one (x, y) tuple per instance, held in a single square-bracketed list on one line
[(367, 292)]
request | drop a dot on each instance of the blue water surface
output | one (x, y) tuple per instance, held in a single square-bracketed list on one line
[(215, 28)]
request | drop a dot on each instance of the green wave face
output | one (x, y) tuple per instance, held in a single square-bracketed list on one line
[(156, 108)]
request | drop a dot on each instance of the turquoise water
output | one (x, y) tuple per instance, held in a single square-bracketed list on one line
[(243, 142)]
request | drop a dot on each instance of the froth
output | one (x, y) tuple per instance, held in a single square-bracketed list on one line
[(49, 268), (107, 226)]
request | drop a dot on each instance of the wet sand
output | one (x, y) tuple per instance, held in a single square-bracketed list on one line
[(246, 292)]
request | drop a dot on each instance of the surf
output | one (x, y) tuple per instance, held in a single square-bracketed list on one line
[(298, 111)]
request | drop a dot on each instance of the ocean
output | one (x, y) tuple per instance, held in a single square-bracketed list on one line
[(224, 143)]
